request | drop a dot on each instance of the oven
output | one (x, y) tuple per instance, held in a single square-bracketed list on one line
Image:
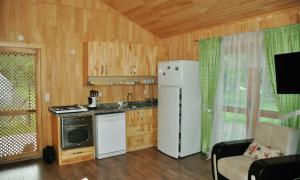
[(76, 132)]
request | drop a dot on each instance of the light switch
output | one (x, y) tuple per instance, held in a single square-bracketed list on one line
[(47, 97), (145, 91), (72, 51)]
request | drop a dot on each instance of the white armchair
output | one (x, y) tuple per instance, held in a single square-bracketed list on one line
[(228, 161)]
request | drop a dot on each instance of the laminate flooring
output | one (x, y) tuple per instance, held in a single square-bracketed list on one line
[(138, 165)]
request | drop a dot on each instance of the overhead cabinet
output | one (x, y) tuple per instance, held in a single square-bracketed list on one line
[(121, 59), (102, 59)]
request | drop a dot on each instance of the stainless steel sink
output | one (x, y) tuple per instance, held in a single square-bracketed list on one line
[(124, 105), (137, 103)]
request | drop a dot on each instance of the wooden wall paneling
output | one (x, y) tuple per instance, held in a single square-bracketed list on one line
[(185, 46), (61, 26)]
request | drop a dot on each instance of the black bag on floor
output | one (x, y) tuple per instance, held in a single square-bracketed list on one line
[(48, 154)]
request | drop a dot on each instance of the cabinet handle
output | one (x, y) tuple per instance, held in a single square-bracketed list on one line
[(106, 69), (102, 69), (134, 69), (77, 152), (130, 70), (75, 126), (140, 129), (138, 116)]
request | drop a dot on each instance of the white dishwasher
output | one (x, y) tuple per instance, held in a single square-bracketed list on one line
[(110, 134)]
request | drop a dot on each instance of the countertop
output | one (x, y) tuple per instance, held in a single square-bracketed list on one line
[(109, 108)]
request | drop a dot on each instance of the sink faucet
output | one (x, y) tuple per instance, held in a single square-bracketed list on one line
[(129, 95)]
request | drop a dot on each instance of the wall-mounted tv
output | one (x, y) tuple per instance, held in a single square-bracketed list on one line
[(287, 67)]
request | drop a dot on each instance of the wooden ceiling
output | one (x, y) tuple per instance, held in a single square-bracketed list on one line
[(170, 17)]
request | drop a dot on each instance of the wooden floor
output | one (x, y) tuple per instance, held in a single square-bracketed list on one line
[(143, 164)]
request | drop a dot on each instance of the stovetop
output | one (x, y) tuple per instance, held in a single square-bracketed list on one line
[(67, 109)]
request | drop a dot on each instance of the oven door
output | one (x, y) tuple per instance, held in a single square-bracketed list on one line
[(77, 135)]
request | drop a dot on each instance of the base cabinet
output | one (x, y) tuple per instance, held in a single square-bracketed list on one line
[(72, 155), (141, 129)]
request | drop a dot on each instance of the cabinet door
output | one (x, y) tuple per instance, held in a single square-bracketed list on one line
[(112, 59), (136, 59), (139, 117), (97, 58), (130, 118), (154, 127), (123, 59), (129, 59), (104, 59), (141, 129)]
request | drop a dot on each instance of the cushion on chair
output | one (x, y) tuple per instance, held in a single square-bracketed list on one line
[(234, 167), (278, 137), (257, 151), (263, 132), (284, 139)]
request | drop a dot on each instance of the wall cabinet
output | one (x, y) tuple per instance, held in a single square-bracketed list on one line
[(121, 59), (72, 155), (101, 59), (141, 129)]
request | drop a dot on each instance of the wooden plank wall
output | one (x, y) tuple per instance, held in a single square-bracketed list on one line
[(65, 24), (60, 26), (184, 46)]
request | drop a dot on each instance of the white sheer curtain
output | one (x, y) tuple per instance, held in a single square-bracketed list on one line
[(237, 98)]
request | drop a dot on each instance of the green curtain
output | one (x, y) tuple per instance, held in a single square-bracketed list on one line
[(277, 41), (209, 62)]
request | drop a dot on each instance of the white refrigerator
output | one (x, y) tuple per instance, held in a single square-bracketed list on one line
[(178, 108)]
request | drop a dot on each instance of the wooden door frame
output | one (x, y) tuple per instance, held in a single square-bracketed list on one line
[(40, 55)]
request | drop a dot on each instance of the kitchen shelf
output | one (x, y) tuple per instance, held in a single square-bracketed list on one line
[(122, 80)]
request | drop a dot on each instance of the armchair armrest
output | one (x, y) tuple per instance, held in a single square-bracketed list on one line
[(226, 149), (230, 148), (284, 167)]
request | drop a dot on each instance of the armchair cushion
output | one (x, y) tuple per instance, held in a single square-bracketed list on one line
[(235, 167), (278, 137), (228, 161), (258, 151)]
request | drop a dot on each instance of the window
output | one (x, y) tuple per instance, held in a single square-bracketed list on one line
[(244, 95), (19, 119)]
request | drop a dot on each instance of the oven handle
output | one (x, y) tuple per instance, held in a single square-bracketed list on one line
[(72, 126)]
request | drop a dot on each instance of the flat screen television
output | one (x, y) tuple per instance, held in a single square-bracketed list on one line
[(287, 68)]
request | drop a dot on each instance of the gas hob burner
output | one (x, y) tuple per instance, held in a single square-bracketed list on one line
[(67, 109)]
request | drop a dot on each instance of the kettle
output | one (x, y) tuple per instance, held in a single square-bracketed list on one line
[(93, 99)]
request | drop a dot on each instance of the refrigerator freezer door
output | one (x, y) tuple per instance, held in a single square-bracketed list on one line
[(168, 120), (170, 74)]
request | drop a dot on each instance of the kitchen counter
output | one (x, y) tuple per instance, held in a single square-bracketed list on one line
[(107, 108), (140, 123)]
